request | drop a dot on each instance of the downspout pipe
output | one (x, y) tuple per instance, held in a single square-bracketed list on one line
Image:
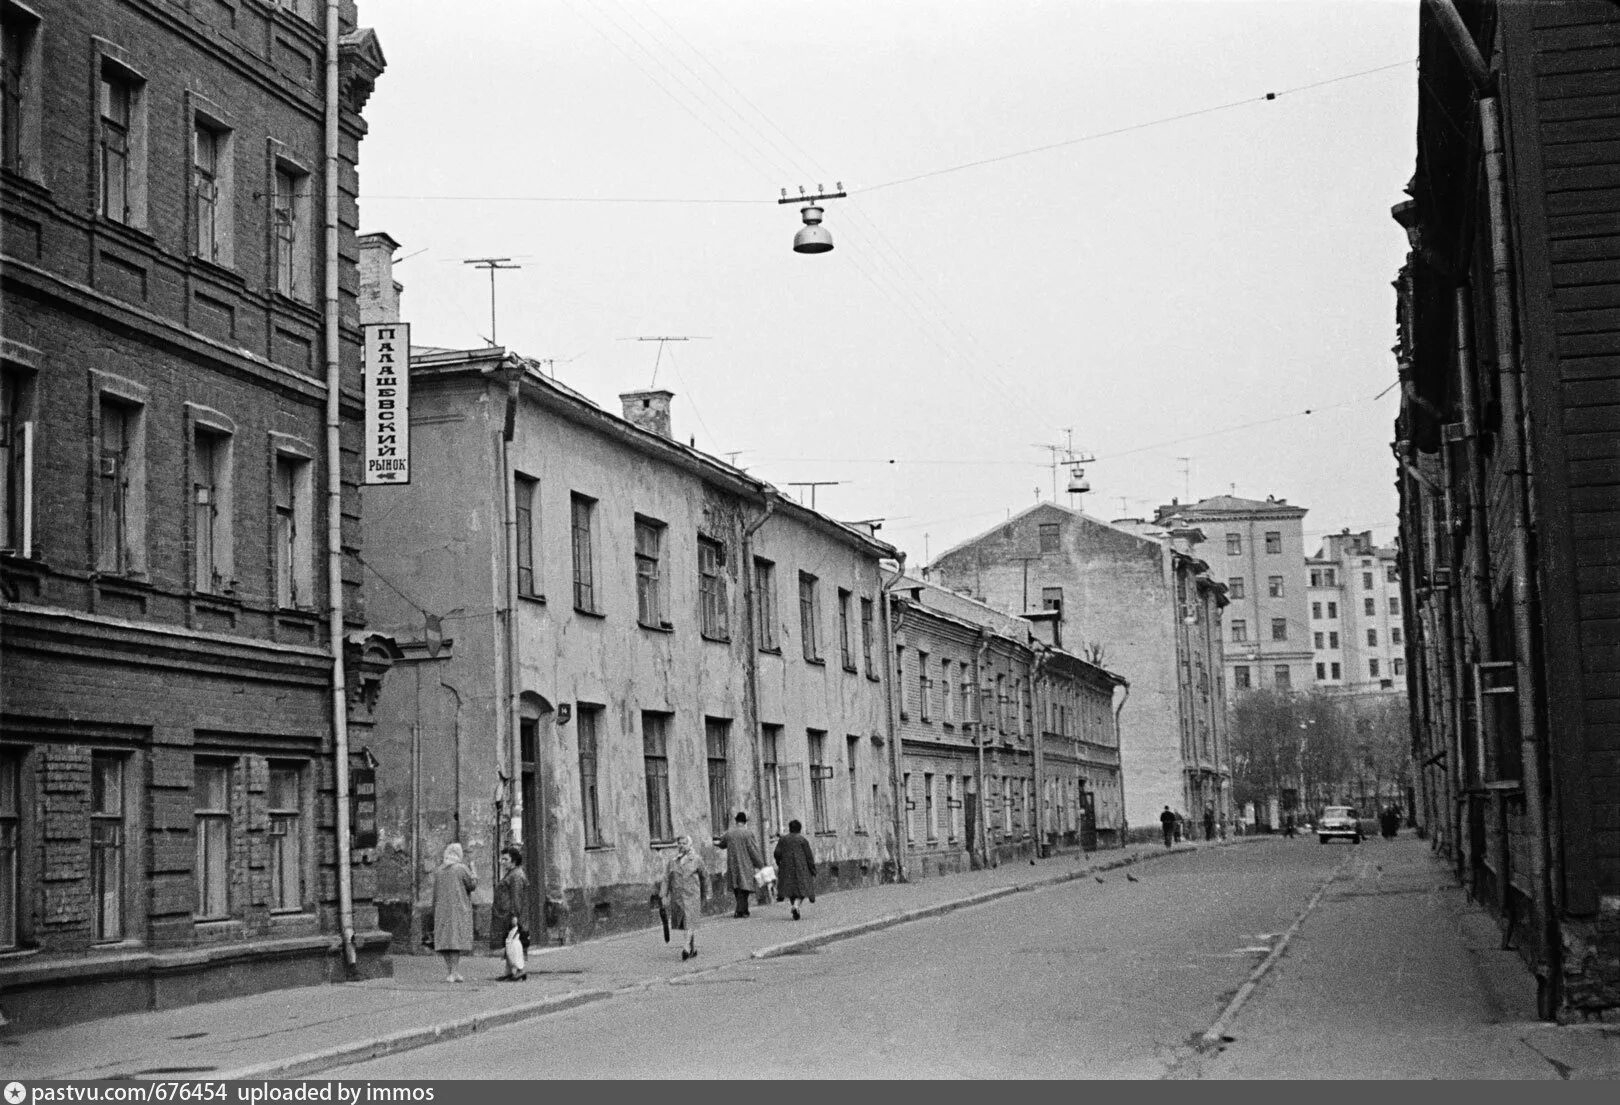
[(334, 493), (1462, 43), (1476, 588), (1119, 705), (1516, 450), (751, 664), (978, 744), (899, 804), (508, 767), (1038, 751)]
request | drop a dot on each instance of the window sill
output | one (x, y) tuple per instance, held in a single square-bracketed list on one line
[(26, 179), (600, 847), (852, 669), (816, 660), (716, 638), (770, 650), (534, 598), (666, 627), (662, 845), (825, 832), (874, 677), (589, 613), (139, 235), (222, 272)]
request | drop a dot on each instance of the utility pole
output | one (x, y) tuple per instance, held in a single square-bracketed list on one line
[(1186, 477), (494, 265), (812, 485), (1025, 561), (661, 339)]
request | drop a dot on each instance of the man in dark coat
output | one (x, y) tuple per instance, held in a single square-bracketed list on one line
[(743, 858), (1167, 822), (795, 868)]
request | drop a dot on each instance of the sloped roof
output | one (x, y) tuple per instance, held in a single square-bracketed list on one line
[(1228, 504), (1048, 507)]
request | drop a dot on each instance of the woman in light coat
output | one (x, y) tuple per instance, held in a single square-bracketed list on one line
[(684, 888), (453, 884)]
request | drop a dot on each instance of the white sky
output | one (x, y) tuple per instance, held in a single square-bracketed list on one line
[(1159, 291)]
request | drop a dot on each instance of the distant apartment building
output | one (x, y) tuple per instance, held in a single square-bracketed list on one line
[(1256, 549), (1358, 628), (1139, 604), (179, 627), (610, 640), (1009, 746)]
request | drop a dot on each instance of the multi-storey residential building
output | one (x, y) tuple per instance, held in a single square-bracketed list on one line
[(1138, 604), (1009, 746), (174, 390), (611, 639), (1256, 548), (1358, 628), (1507, 440)]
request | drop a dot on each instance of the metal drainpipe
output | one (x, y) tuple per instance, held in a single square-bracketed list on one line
[(1124, 821), (1516, 449), (334, 494), (1480, 583), (978, 743), (510, 764), (751, 664), (1038, 753), (894, 726)]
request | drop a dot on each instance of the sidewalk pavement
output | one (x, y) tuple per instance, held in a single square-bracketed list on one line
[(300, 1032)]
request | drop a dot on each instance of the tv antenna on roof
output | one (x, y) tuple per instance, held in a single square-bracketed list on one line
[(494, 265), (661, 339)]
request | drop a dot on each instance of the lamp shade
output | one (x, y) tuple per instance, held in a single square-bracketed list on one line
[(812, 237)]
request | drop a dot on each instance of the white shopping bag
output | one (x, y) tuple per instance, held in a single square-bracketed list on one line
[(516, 963), (765, 876)]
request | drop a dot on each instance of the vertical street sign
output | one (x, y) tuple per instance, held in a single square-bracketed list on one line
[(387, 456)]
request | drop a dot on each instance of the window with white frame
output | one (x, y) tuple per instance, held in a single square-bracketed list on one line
[(16, 463), (106, 847), (121, 488), (212, 191), (868, 634), (770, 740), (588, 719), (525, 490), (1273, 541), (1274, 587), (583, 511), (655, 760), (846, 643), (212, 871), (286, 825), (713, 603), (716, 738), (649, 572), (765, 604), (291, 210), (20, 85), (294, 532), (820, 770), (121, 145), (810, 616), (211, 506)]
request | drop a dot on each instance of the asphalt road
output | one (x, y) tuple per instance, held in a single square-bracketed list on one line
[(1076, 981)]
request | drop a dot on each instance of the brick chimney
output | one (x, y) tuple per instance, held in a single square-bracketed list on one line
[(379, 291), (649, 410)]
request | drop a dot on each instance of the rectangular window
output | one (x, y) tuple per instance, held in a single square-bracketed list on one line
[(211, 511), (1366, 581), (10, 850), (770, 737), (16, 466), (1234, 544), (712, 601), (1330, 577), (716, 736), (1052, 599), (1321, 640), (1391, 574), (1281, 677), (953, 806), (868, 632), (1279, 629), (1395, 635), (1316, 578), (1333, 640), (212, 203), (820, 771), (1321, 672), (1372, 638), (1369, 608), (911, 808), (295, 564), (846, 644), (1273, 541), (117, 141), (1372, 668), (655, 756), (1316, 611), (1395, 605), (106, 848), (1398, 665), (809, 616), (118, 477), (1274, 586), (590, 795), (1049, 537), (930, 811), (923, 712), (212, 794), (852, 747), (1332, 610), (523, 496), (947, 713), (294, 233), (1240, 677), (765, 603), (1334, 668), (286, 800), (1234, 587), (649, 572), (582, 511), (19, 90), (1240, 630)]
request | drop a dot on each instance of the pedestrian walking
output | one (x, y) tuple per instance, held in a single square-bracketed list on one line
[(511, 905), (1288, 825), (1389, 822), (795, 868), (453, 885), (1167, 822), (743, 858), (682, 891), (1209, 823)]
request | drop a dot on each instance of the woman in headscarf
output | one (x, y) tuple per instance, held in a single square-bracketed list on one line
[(453, 884), (684, 888)]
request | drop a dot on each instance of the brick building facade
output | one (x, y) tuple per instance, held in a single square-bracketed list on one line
[(167, 778)]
